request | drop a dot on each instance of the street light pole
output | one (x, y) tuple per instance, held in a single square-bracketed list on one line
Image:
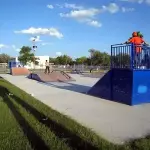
[(34, 49)]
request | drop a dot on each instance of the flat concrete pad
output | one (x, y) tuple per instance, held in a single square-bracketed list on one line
[(113, 121)]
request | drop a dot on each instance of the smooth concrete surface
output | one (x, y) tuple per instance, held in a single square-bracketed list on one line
[(112, 121)]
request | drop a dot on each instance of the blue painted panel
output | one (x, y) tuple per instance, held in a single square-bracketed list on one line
[(12, 64), (141, 87), (122, 85), (102, 88)]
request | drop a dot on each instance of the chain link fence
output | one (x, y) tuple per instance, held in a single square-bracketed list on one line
[(4, 68), (69, 69)]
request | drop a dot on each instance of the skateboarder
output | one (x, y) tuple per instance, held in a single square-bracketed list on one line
[(47, 67)]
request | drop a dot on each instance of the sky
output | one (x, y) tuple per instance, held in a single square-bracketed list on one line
[(70, 27)]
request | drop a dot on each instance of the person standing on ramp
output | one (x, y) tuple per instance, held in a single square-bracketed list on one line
[(47, 67)]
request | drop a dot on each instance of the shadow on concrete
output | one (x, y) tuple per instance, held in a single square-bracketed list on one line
[(72, 139), (68, 86), (102, 88)]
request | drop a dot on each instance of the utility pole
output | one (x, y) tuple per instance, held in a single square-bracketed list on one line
[(34, 47)]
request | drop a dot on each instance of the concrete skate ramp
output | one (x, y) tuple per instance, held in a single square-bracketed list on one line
[(54, 76)]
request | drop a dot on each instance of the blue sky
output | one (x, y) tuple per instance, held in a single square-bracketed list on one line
[(70, 26)]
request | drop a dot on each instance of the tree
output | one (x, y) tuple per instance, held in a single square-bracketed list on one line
[(4, 58), (26, 56), (121, 60), (63, 60), (97, 58), (81, 60), (91, 51), (105, 59)]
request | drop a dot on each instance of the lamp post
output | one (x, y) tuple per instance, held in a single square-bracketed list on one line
[(34, 47)]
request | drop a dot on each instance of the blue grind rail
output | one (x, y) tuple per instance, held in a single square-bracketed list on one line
[(128, 81)]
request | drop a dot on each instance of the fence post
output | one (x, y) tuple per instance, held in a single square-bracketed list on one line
[(111, 61), (132, 56)]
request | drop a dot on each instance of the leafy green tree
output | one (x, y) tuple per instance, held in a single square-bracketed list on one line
[(97, 58), (121, 60), (4, 58), (81, 60), (27, 56), (91, 51), (52, 60), (63, 60), (105, 59)]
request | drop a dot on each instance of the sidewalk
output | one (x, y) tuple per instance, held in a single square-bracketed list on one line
[(113, 121)]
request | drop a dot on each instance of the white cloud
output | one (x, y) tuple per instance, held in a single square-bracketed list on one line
[(148, 2), (73, 6), (95, 23), (69, 6), (133, 1), (42, 31), (84, 15), (43, 44), (137, 1), (3, 46), (60, 6), (36, 39), (81, 14), (50, 6), (89, 15), (112, 8), (58, 53), (18, 49), (15, 48), (127, 9)]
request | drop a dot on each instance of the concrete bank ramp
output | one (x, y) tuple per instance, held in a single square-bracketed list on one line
[(54, 76)]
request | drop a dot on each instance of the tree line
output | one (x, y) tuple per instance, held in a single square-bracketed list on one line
[(96, 58)]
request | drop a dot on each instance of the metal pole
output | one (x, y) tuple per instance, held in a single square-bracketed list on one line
[(132, 57), (111, 57), (34, 49)]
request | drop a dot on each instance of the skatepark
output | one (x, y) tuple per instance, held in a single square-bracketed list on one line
[(113, 121), (113, 104)]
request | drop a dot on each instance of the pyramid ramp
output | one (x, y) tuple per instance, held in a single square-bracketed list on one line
[(55, 76)]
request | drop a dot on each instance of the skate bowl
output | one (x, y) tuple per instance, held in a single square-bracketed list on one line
[(16, 71), (54, 76)]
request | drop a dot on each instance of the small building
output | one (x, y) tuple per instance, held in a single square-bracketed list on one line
[(30, 65)]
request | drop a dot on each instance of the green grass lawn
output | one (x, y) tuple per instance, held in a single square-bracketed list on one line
[(28, 124)]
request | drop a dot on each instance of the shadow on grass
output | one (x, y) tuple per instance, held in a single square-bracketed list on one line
[(73, 140), (35, 141)]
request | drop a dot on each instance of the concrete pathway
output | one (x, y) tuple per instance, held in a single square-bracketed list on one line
[(113, 121)]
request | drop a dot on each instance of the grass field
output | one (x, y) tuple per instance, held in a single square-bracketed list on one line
[(27, 124)]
